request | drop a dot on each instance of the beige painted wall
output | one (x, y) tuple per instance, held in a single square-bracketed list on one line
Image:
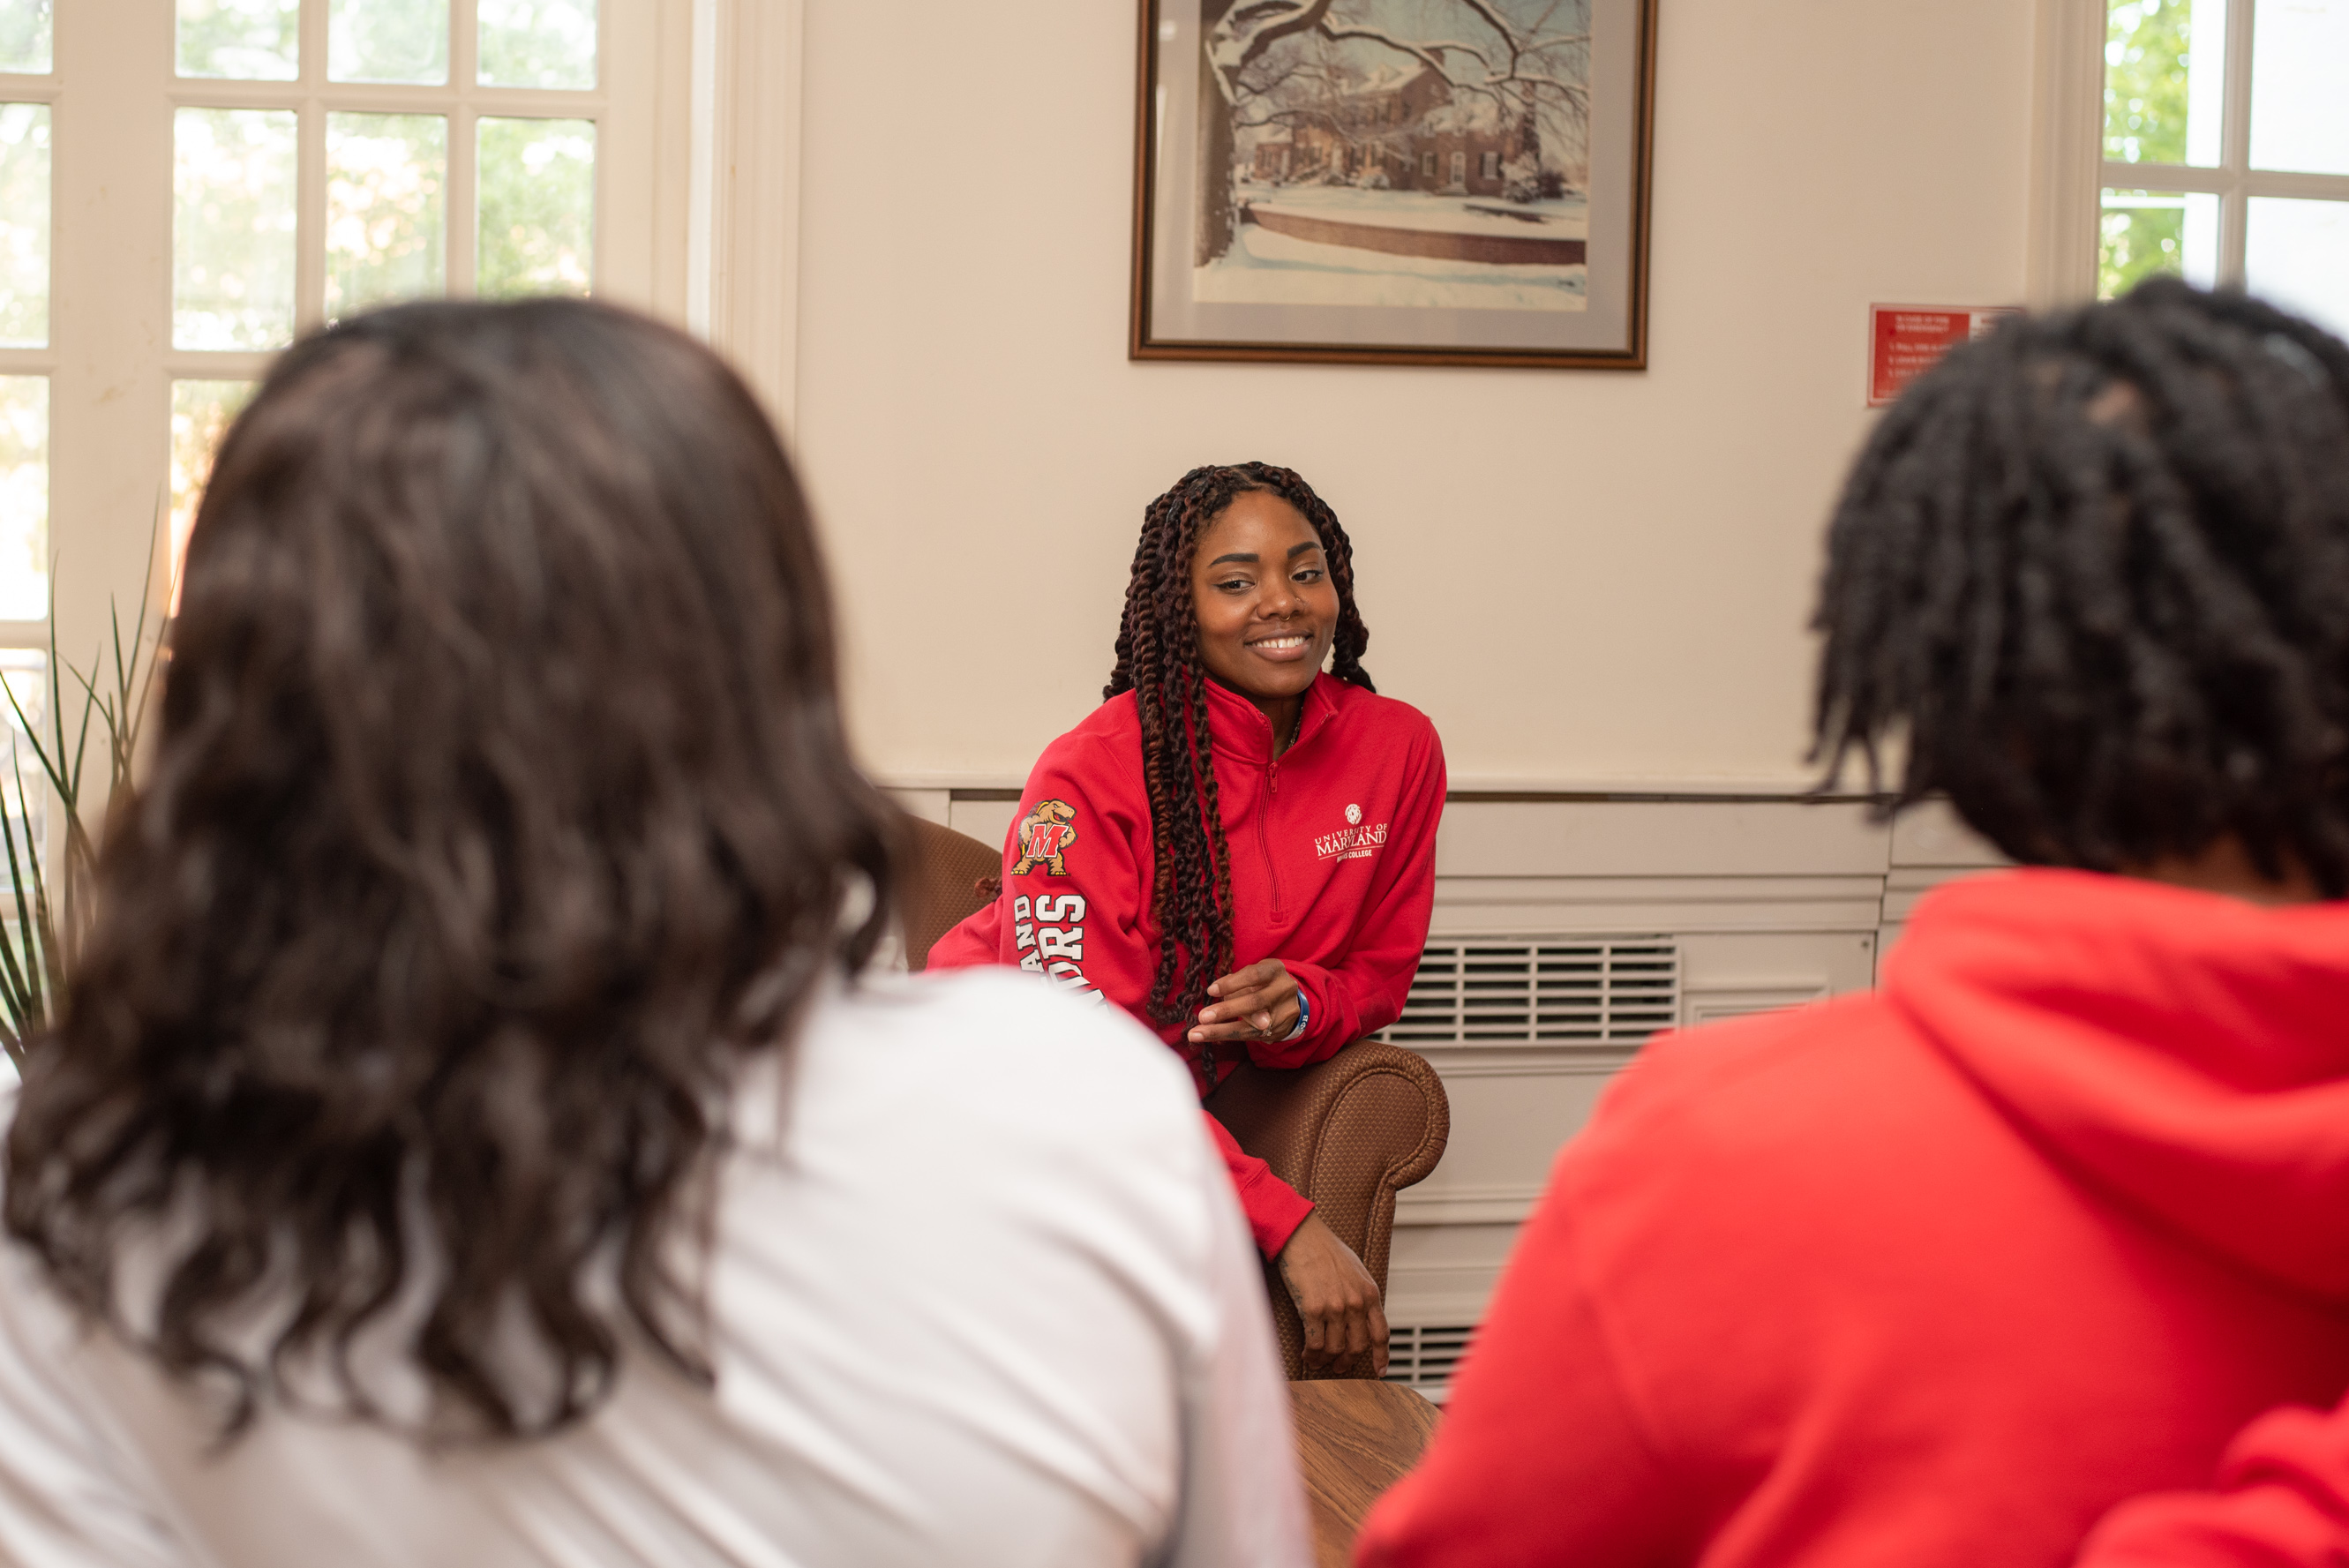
[(1585, 578)]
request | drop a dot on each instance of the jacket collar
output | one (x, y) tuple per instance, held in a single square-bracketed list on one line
[(1240, 730)]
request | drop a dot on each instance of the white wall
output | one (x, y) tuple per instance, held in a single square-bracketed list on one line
[(1586, 578)]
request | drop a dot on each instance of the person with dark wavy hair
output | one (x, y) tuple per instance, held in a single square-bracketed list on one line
[(470, 1137), (1238, 846), (1936, 1274)]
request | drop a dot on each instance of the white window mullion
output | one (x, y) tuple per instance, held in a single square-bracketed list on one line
[(607, 157), (219, 365), (2235, 143), (464, 222), (2170, 177), (310, 219), (464, 147), (202, 94), (310, 176), (2306, 186)]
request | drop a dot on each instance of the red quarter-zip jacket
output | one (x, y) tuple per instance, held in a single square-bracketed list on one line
[(1927, 1277), (1334, 874)]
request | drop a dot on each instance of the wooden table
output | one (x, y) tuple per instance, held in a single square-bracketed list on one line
[(1354, 1440)]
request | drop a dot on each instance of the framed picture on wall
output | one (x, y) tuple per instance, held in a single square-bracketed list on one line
[(1394, 182)]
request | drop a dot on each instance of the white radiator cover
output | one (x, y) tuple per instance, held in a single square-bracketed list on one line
[(1539, 991), (1424, 1356), (1564, 936)]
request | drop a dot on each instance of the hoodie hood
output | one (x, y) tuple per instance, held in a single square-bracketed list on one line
[(2185, 1051)]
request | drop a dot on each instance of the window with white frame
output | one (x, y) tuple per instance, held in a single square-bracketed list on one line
[(27, 129), (27, 359), (331, 155), (229, 173), (2226, 148)]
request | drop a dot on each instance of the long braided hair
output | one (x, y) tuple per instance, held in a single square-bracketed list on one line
[(1158, 661), (2095, 571)]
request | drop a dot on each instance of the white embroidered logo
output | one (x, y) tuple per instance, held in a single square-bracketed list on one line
[(1353, 841)]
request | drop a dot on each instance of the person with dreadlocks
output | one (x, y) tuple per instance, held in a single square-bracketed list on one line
[(1237, 847), (1935, 1275)]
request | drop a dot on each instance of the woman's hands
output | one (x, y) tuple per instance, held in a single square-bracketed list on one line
[(1335, 1296), (1258, 1003)]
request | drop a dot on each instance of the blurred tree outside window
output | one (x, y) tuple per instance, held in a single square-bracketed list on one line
[(240, 40), (24, 225), (202, 412), (388, 41), (26, 31), (537, 207), (538, 42), (23, 497), (234, 228), (386, 179), (2147, 57)]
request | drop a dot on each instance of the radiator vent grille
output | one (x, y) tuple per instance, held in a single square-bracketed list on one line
[(1423, 1357), (1615, 991)]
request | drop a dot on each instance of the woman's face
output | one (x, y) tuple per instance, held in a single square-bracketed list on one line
[(1261, 591)]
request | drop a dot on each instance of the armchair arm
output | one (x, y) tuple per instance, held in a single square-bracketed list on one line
[(1348, 1133), (940, 884)]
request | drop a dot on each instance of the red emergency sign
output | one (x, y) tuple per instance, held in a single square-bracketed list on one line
[(1905, 340)]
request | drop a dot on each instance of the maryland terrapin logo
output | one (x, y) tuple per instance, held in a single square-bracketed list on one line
[(1045, 835)]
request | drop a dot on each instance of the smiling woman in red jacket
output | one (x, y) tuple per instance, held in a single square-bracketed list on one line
[(1236, 847)]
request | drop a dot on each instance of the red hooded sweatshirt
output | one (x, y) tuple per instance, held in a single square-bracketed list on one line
[(1334, 874), (2283, 1502), (1929, 1276)]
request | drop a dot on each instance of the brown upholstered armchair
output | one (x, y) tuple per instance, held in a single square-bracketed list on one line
[(1349, 1132), (947, 878)]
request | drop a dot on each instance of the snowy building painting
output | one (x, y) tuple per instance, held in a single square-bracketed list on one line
[(1395, 153), (1407, 128), (1461, 183)]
